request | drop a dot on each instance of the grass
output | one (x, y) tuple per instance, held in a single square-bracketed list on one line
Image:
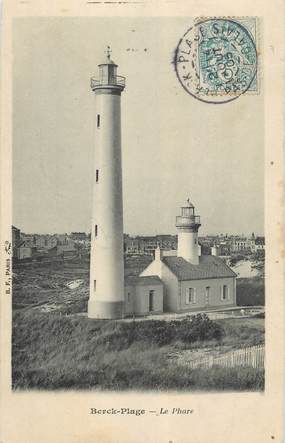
[(243, 332), (55, 351), (45, 283), (58, 352), (39, 283)]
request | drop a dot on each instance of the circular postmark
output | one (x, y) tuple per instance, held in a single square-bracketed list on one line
[(216, 60)]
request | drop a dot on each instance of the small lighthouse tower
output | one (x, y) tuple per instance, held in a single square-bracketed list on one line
[(187, 225), (106, 299)]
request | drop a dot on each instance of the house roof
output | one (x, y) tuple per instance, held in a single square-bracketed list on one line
[(143, 281), (24, 244), (209, 267)]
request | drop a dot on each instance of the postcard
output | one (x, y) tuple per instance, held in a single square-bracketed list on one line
[(142, 233)]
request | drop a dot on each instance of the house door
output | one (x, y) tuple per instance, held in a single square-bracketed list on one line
[(151, 301), (207, 295)]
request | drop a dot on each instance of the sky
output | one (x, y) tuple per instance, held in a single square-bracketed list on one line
[(173, 146)]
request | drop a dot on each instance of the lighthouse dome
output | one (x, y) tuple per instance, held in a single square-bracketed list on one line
[(107, 61), (188, 204)]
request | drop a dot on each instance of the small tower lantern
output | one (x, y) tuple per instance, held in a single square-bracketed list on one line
[(188, 225)]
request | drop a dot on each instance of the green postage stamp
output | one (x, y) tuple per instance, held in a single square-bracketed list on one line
[(216, 60)]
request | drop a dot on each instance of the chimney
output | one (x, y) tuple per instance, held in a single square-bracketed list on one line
[(158, 254), (199, 250)]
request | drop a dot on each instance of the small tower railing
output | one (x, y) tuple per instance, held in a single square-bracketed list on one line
[(194, 219), (117, 80)]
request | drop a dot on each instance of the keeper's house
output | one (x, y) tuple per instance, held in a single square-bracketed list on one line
[(191, 281)]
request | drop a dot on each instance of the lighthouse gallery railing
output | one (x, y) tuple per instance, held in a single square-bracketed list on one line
[(193, 219), (117, 80)]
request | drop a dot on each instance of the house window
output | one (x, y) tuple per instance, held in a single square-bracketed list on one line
[(96, 230), (97, 175), (98, 120), (129, 297), (225, 292), (94, 285), (190, 296)]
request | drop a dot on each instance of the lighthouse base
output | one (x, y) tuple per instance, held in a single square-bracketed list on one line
[(106, 310)]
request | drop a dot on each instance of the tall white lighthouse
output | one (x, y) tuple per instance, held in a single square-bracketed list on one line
[(106, 299), (187, 225)]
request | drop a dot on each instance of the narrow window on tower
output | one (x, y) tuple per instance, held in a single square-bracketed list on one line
[(94, 285), (96, 230), (97, 175), (98, 120)]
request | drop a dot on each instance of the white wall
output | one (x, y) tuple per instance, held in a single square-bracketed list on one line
[(142, 299), (154, 268), (188, 246), (215, 300), (170, 283), (139, 299), (129, 306), (107, 266), (171, 289)]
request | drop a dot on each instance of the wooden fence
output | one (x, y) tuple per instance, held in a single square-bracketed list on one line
[(253, 356)]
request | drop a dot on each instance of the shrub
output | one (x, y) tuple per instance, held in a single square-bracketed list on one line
[(250, 291), (200, 328)]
